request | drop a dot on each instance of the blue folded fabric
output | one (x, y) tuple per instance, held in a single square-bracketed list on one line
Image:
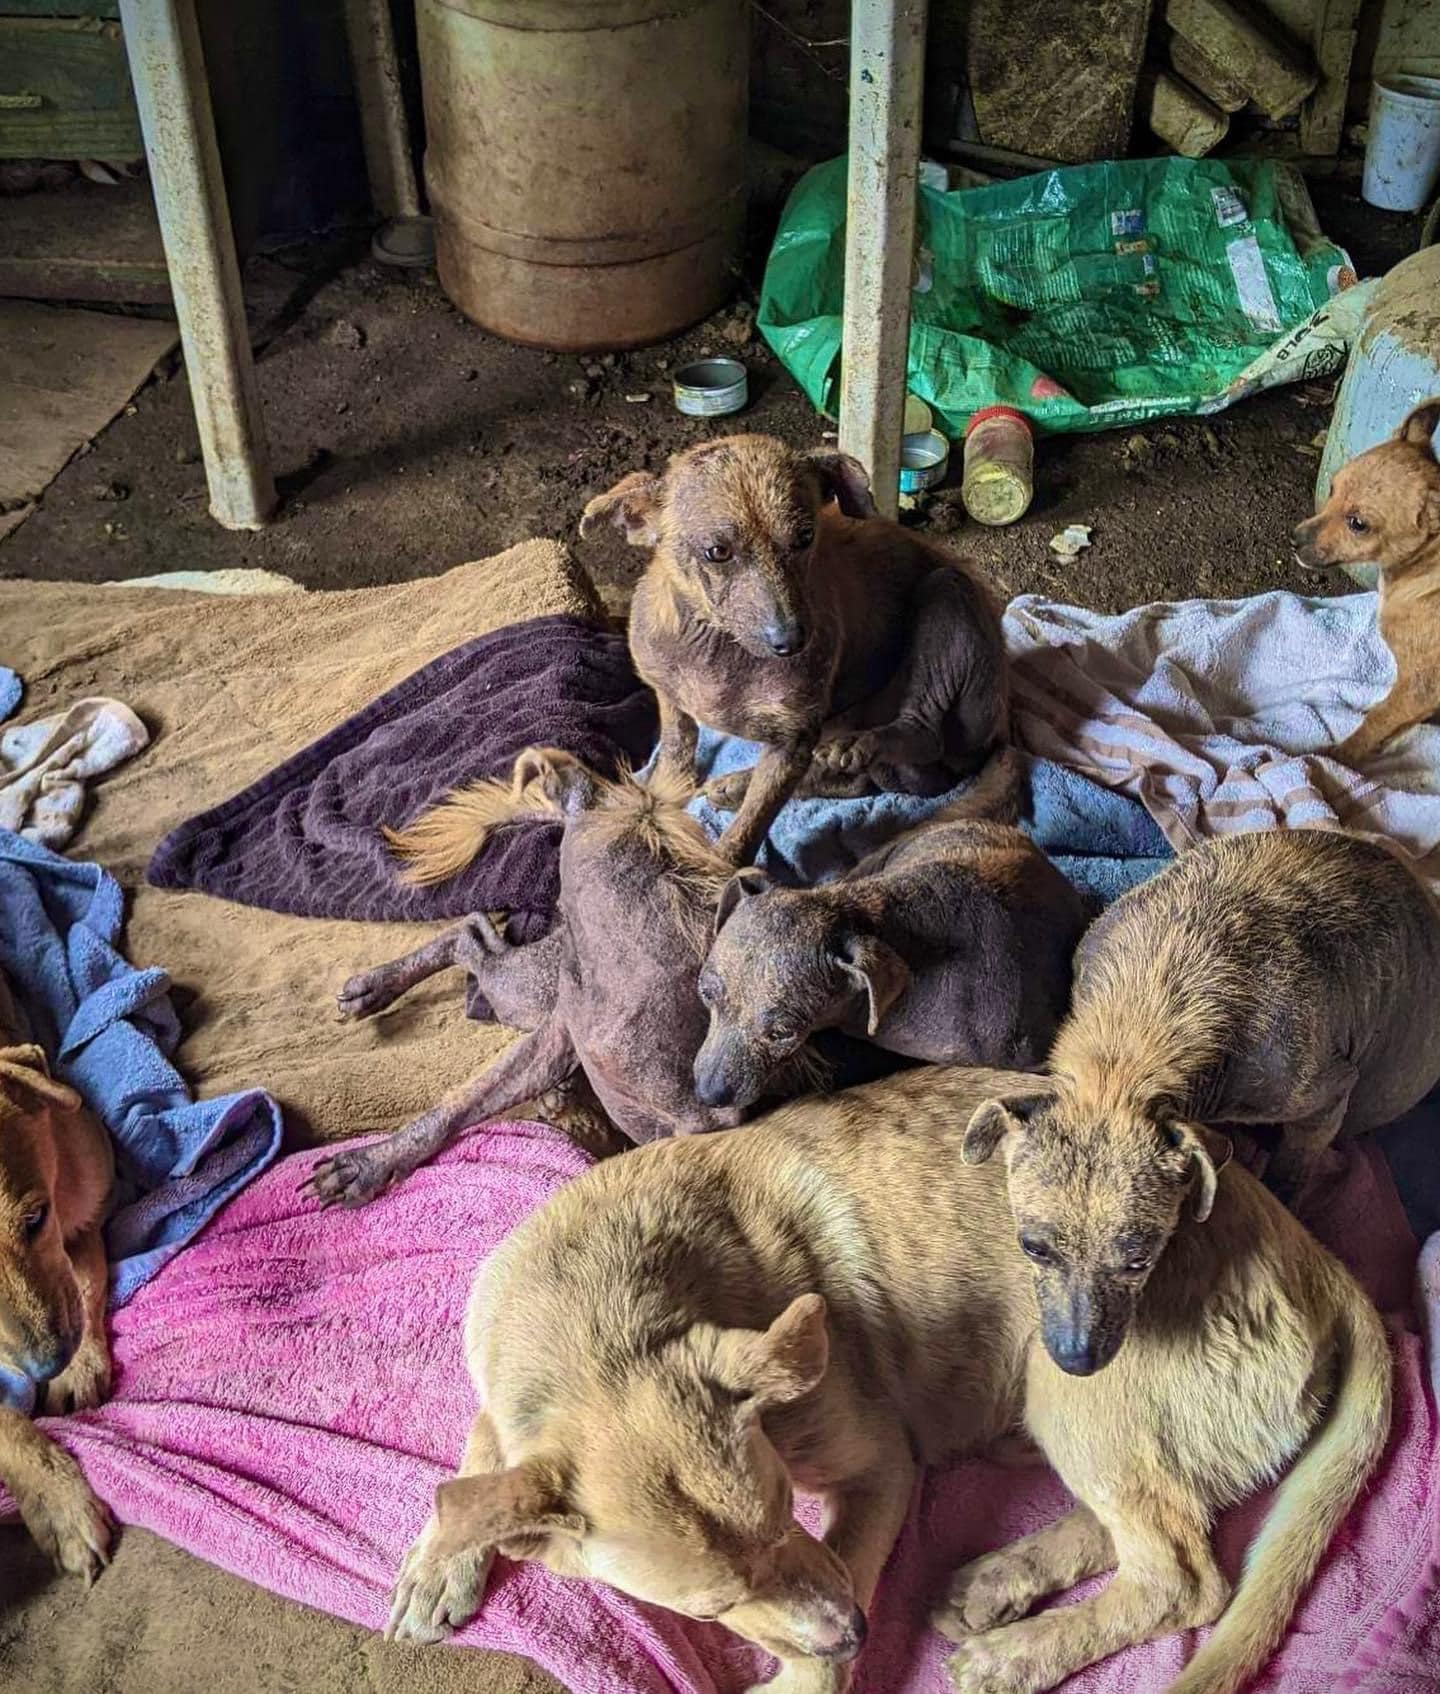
[(1103, 841), (108, 1029), (11, 689)]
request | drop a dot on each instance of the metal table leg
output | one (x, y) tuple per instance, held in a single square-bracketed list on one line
[(168, 70)]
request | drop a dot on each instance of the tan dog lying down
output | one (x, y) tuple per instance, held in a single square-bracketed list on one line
[(55, 1174), (829, 1297)]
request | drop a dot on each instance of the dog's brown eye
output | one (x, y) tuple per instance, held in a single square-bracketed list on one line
[(718, 552), (34, 1221), (1041, 1252), (1354, 521), (1137, 1265), (803, 537)]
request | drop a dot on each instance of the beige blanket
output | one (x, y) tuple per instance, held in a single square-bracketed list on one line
[(228, 687)]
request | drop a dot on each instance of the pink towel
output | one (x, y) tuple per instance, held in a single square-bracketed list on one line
[(291, 1389)]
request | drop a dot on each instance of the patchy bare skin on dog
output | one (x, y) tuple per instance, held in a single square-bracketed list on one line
[(682, 1338), (778, 607), (610, 993), (952, 944), (56, 1170), (1384, 509)]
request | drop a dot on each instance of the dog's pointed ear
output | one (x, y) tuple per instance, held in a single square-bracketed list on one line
[(1420, 425), (846, 481), (26, 1067), (1207, 1153), (479, 1511), (876, 970), (632, 505), (744, 885), (992, 1122), (771, 1367), (567, 782)]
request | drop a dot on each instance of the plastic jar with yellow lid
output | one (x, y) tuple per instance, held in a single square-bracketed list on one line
[(998, 481)]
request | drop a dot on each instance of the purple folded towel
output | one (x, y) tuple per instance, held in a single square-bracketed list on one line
[(306, 837)]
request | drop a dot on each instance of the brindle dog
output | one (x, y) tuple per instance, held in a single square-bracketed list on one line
[(778, 607)]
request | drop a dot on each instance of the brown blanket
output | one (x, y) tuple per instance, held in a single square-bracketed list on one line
[(228, 687)]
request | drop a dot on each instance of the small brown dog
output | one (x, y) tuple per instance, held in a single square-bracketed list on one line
[(778, 607), (828, 1299), (611, 992), (56, 1170), (952, 943), (1289, 978), (1384, 509)]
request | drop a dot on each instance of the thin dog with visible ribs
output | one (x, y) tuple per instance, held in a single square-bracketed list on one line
[(611, 990), (777, 606)]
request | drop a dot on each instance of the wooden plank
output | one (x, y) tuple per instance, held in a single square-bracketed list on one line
[(887, 73), (84, 241), (65, 91)]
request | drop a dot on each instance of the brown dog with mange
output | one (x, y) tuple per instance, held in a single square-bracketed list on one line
[(611, 992), (952, 943), (1290, 978), (778, 607), (56, 1170), (830, 1298), (1384, 509)]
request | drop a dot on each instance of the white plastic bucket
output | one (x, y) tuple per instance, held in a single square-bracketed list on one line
[(1402, 156)]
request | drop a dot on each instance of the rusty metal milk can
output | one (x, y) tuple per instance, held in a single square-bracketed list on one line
[(585, 161)]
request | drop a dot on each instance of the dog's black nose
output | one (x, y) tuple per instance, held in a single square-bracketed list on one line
[(44, 1363), (1075, 1358), (711, 1091), (784, 639)]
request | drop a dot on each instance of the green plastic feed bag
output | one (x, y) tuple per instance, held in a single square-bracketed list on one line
[(1088, 298)]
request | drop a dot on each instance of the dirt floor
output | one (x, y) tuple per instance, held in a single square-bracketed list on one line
[(406, 440)]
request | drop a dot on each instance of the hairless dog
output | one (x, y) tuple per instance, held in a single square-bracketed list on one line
[(610, 993), (777, 606), (952, 943)]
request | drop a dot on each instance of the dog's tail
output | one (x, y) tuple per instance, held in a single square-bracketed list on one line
[(1309, 1507), (995, 794), (440, 843)]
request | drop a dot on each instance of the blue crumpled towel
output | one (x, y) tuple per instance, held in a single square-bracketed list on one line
[(11, 690), (108, 1029), (1103, 841)]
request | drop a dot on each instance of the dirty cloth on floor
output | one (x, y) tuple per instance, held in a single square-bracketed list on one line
[(45, 764), (1221, 716), (306, 837), (1104, 842), (230, 686), (287, 1415), (109, 1030)]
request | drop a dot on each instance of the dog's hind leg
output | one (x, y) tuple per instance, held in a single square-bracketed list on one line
[(1166, 1580), (475, 945), (537, 1062), (439, 1588), (1001, 1586), (1306, 1135)]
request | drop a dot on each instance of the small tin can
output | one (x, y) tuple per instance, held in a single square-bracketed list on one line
[(924, 459), (710, 388)]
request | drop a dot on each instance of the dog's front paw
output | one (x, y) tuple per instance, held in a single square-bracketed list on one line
[(993, 1663), (83, 1383), (364, 995), (988, 1591), (68, 1520), (349, 1179), (850, 753), (727, 793), (435, 1595), (806, 1676)]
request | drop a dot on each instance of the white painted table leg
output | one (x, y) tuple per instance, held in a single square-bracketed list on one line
[(173, 95), (887, 70)]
